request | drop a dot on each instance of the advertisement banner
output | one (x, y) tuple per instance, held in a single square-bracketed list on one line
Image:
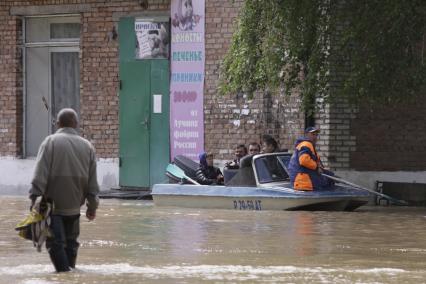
[(187, 78)]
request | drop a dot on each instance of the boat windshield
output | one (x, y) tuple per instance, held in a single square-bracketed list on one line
[(272, 168)]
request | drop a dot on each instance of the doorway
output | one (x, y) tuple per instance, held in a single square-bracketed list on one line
[(144, 107), (52, 75)]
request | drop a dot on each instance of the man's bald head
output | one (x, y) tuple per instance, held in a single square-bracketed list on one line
[(67, 117)]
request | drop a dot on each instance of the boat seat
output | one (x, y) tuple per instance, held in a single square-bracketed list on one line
[(228, 174), (244, 175), (246, 161)]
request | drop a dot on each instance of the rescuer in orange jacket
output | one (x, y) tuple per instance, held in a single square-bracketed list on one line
[(305, 165)]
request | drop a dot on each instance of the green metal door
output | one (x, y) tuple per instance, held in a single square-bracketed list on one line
[(144, 114), (134, 124), (160, 119)]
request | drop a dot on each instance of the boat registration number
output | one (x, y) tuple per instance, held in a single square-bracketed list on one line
[(247, 204)]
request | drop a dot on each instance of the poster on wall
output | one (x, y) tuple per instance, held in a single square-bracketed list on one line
[(187, 78), (152, 39)]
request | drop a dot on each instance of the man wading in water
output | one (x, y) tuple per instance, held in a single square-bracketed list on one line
[(65, 173)]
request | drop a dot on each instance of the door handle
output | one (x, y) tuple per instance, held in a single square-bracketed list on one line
[(46, 105), (145, 123)]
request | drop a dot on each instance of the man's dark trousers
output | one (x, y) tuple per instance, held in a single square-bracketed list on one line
[(63, 245)]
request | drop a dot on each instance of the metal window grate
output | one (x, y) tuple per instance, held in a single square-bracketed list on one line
[(413, 193)]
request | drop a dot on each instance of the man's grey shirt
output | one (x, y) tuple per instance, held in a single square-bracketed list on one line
[(66, 172)]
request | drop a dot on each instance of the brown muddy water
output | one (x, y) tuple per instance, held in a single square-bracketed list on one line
[(136, 242)]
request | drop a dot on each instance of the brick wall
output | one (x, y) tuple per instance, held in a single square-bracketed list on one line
[(372, 138), (98, 72), (381, 138), (390, 138), (10, 84), (99, 69), (229, 120), (336, 141), (235, 119)]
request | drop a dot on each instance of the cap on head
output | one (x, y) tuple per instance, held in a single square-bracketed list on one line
[(312, 129)]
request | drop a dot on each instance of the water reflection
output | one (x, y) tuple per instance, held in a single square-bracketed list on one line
[(186, 236), (303, 228), (134, 242)]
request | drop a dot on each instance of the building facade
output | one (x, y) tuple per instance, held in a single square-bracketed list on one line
[(77, 41)]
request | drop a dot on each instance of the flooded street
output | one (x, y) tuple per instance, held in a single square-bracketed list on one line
[(136, 242)]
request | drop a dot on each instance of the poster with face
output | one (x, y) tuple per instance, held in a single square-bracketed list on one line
[(185, 16), (152, 40)]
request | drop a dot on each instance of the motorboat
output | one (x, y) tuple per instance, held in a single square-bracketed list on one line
[(261, 183)]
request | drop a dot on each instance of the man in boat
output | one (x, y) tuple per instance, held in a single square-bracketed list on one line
[(305, 165), (254, 148), (240, 151), (65, 173), (207, 173)]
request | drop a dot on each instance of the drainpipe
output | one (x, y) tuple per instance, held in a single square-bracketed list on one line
[(24, 91)]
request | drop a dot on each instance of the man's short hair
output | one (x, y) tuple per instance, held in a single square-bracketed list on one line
[(243, 147), (67, 117), (255, 144)]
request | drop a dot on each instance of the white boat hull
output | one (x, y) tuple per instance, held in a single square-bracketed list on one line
[(242, 198)]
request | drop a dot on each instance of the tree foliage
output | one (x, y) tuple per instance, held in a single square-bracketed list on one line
[(362, 49)]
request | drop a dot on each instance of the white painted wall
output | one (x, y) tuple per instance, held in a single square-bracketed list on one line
[(16, 174)]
